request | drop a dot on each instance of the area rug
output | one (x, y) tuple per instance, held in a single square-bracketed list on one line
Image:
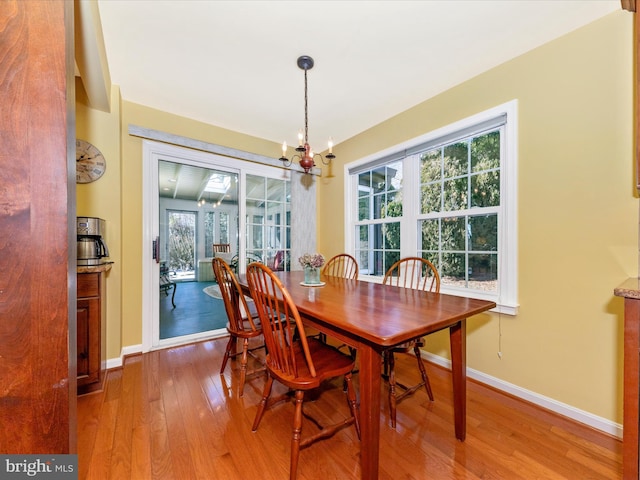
[(214, 291)]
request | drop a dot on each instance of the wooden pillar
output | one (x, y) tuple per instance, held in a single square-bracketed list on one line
[(37, 205)]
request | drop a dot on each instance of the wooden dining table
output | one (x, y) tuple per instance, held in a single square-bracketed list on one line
[(372, 317)]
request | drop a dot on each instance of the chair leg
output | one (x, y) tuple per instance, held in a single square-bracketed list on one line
[(227, 353), (392, 387), (296, 434), (423, 372), (263, 403), (243, 364), (351, 400)]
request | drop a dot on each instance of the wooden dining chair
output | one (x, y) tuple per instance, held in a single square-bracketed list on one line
[(298, 362), (243, 321), (342, 265), (221, 248), (419, 274)]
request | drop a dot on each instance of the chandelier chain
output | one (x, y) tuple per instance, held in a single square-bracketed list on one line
[(304, 153), (306, 115)]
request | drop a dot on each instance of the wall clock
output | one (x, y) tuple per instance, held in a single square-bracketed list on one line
[(90, 163)]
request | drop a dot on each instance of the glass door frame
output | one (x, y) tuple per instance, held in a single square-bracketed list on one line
[(153, 152)]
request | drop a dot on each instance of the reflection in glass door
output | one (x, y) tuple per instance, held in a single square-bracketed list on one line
[(268, 204)]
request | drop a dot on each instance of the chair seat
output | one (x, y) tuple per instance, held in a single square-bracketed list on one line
[(247, 332), (328, 361)]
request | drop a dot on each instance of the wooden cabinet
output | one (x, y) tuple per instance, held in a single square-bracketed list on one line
[(630, 290), (91, 331)]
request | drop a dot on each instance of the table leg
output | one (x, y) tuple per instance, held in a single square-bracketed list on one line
[(370, 364), (458, 339)]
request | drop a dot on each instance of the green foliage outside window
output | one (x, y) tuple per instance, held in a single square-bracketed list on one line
[(460, 178), (182, 228)]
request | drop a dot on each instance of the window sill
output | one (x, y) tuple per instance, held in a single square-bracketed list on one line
[(504, 308)]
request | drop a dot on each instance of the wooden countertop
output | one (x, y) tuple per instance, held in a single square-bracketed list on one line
[(105, 267), (629, 289)]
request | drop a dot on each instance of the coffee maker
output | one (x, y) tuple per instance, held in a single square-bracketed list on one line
[(91, 247)]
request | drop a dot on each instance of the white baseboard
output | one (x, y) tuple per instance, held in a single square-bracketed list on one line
[(599, 423), (117, 362)]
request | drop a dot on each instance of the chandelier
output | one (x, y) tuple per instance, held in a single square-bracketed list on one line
[(305, 155)]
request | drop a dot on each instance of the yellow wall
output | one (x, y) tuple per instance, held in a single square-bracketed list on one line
[(102, 199), (578, 211)]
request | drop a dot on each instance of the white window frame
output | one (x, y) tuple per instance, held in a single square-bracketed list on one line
[(506, 297)]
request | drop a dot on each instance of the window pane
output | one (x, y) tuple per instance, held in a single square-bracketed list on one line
[(483, 271), (393, 208), (378, 180), (255, 187), (452, 269), (391, 233), (378, 263), (394, 176), (378, 205), (276, 189), (362, 236), (485, 189), (483, 233), (209, 234), (389, 259), (430, 198), (433, 258), (378, 237), (363, 261), (456, 159), (430, 234), (455, 194), (182, 242), (224, 227), (485, 152), (453, 233), (431, 166), (364, 184), (364, 208), (268, 221)]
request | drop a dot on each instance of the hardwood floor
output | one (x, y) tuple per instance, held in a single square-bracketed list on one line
[(170, 415)]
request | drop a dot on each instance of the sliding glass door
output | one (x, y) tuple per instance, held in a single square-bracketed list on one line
[(193, 201)]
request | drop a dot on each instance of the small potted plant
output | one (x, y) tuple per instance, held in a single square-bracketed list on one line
[(311, 263)]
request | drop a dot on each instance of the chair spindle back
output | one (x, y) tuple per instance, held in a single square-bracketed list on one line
[(234, 302), (413, 272), (280, 320), (342, 265)]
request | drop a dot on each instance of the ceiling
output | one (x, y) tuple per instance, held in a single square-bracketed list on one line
[(233, 63)]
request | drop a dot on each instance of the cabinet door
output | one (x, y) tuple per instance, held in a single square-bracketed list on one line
[(88, 318)]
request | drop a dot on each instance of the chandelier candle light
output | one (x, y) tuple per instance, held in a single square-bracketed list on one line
[(305, 155)]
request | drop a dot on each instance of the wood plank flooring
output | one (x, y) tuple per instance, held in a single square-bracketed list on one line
[(170, 415)]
